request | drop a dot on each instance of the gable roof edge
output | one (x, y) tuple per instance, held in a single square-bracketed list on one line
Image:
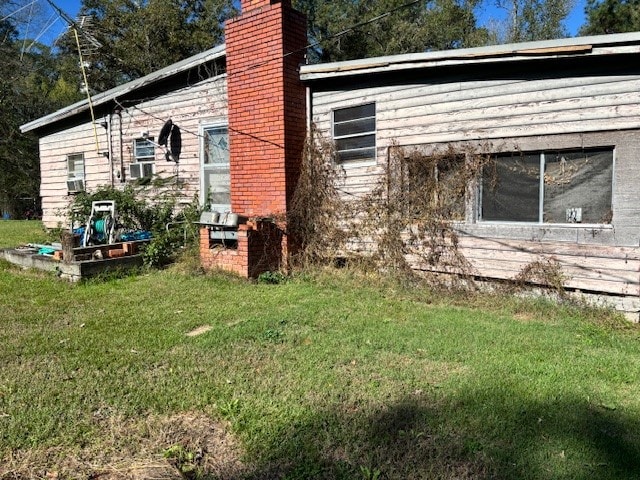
[(575, 46), (104, 97)]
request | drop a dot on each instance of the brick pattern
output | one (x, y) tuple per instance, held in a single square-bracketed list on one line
[(267, 126), (247, 5), (259, 249), (266, 107)]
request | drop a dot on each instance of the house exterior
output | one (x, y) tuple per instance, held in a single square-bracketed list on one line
[(116, 147), (560, 118)]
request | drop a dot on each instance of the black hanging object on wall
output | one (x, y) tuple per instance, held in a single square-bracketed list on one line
[(164, 133), (175, 143)]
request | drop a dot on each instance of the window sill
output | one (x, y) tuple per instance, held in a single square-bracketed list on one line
[(581, 233), (353, 164), (589, 226)]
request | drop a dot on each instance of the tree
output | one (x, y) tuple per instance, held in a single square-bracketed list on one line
[(19, 172), (422, 26), (28, 78), (530, 20), (134, 38), (611, 16)]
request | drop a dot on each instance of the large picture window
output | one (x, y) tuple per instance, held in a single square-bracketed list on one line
[(569, 186), (354, 133)]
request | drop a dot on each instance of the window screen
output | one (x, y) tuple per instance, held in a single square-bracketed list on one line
[(511, 188), (75, 166), (576, 187), (354, 131)]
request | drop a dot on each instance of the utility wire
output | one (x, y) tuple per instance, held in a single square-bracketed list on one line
[(52, 20), (24, 43), (17, 11), (335, 36)]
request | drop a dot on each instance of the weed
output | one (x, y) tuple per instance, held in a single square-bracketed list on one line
[(272, 278), (229, 409), (187, 462), (403, 225), (273, 335), (370, 473), (545, 273)]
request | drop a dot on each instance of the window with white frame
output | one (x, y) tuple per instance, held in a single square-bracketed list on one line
[(566, 186), (144, 152), (75, 172), (215, 174), (354, 133)]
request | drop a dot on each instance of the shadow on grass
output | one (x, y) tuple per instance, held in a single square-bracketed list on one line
[(474, 437)]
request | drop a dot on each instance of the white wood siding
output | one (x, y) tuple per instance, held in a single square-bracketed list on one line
[(492, 109), (202, 102), (510, 114)]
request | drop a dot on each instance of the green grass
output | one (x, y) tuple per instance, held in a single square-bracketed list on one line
[(321, 377), (15, 232)]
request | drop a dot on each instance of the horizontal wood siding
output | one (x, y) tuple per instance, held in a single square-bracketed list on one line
[(593, 268), (526, 113), (187, 108), (492, 109), (482, 110)]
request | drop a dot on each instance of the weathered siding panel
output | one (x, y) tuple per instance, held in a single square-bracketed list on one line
[(472, 110), (534, 111), (187, 107)]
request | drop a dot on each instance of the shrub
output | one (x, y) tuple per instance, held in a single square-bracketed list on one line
[(138, 207)]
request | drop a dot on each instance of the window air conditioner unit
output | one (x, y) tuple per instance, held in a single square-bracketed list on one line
[(141, 170), (75, 185)]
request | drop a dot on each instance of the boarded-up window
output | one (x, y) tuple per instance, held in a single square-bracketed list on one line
[(575, 187), (75, 172), (354, 133)]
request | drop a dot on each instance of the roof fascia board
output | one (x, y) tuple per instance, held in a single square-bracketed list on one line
[(595, 45), (126, 88)]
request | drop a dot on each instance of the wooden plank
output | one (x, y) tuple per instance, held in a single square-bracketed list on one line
[(456, 90), (516, 105), (549, 248), (531, 92), (422, 136), (578, 262), (325, 101), (511, 116), (503, 272)]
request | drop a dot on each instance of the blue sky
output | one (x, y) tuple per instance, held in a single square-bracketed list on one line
[(574, 20)]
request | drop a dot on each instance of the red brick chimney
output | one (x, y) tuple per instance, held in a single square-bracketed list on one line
[(265, 46)]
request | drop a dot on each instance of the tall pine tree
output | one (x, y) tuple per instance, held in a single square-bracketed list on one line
[(420, 27), (611, 16)]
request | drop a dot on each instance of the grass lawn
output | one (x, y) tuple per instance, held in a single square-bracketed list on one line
[(15, 232), (330, 376)]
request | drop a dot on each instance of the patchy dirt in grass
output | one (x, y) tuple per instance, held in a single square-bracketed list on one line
[(199, 331), (189, 445)]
